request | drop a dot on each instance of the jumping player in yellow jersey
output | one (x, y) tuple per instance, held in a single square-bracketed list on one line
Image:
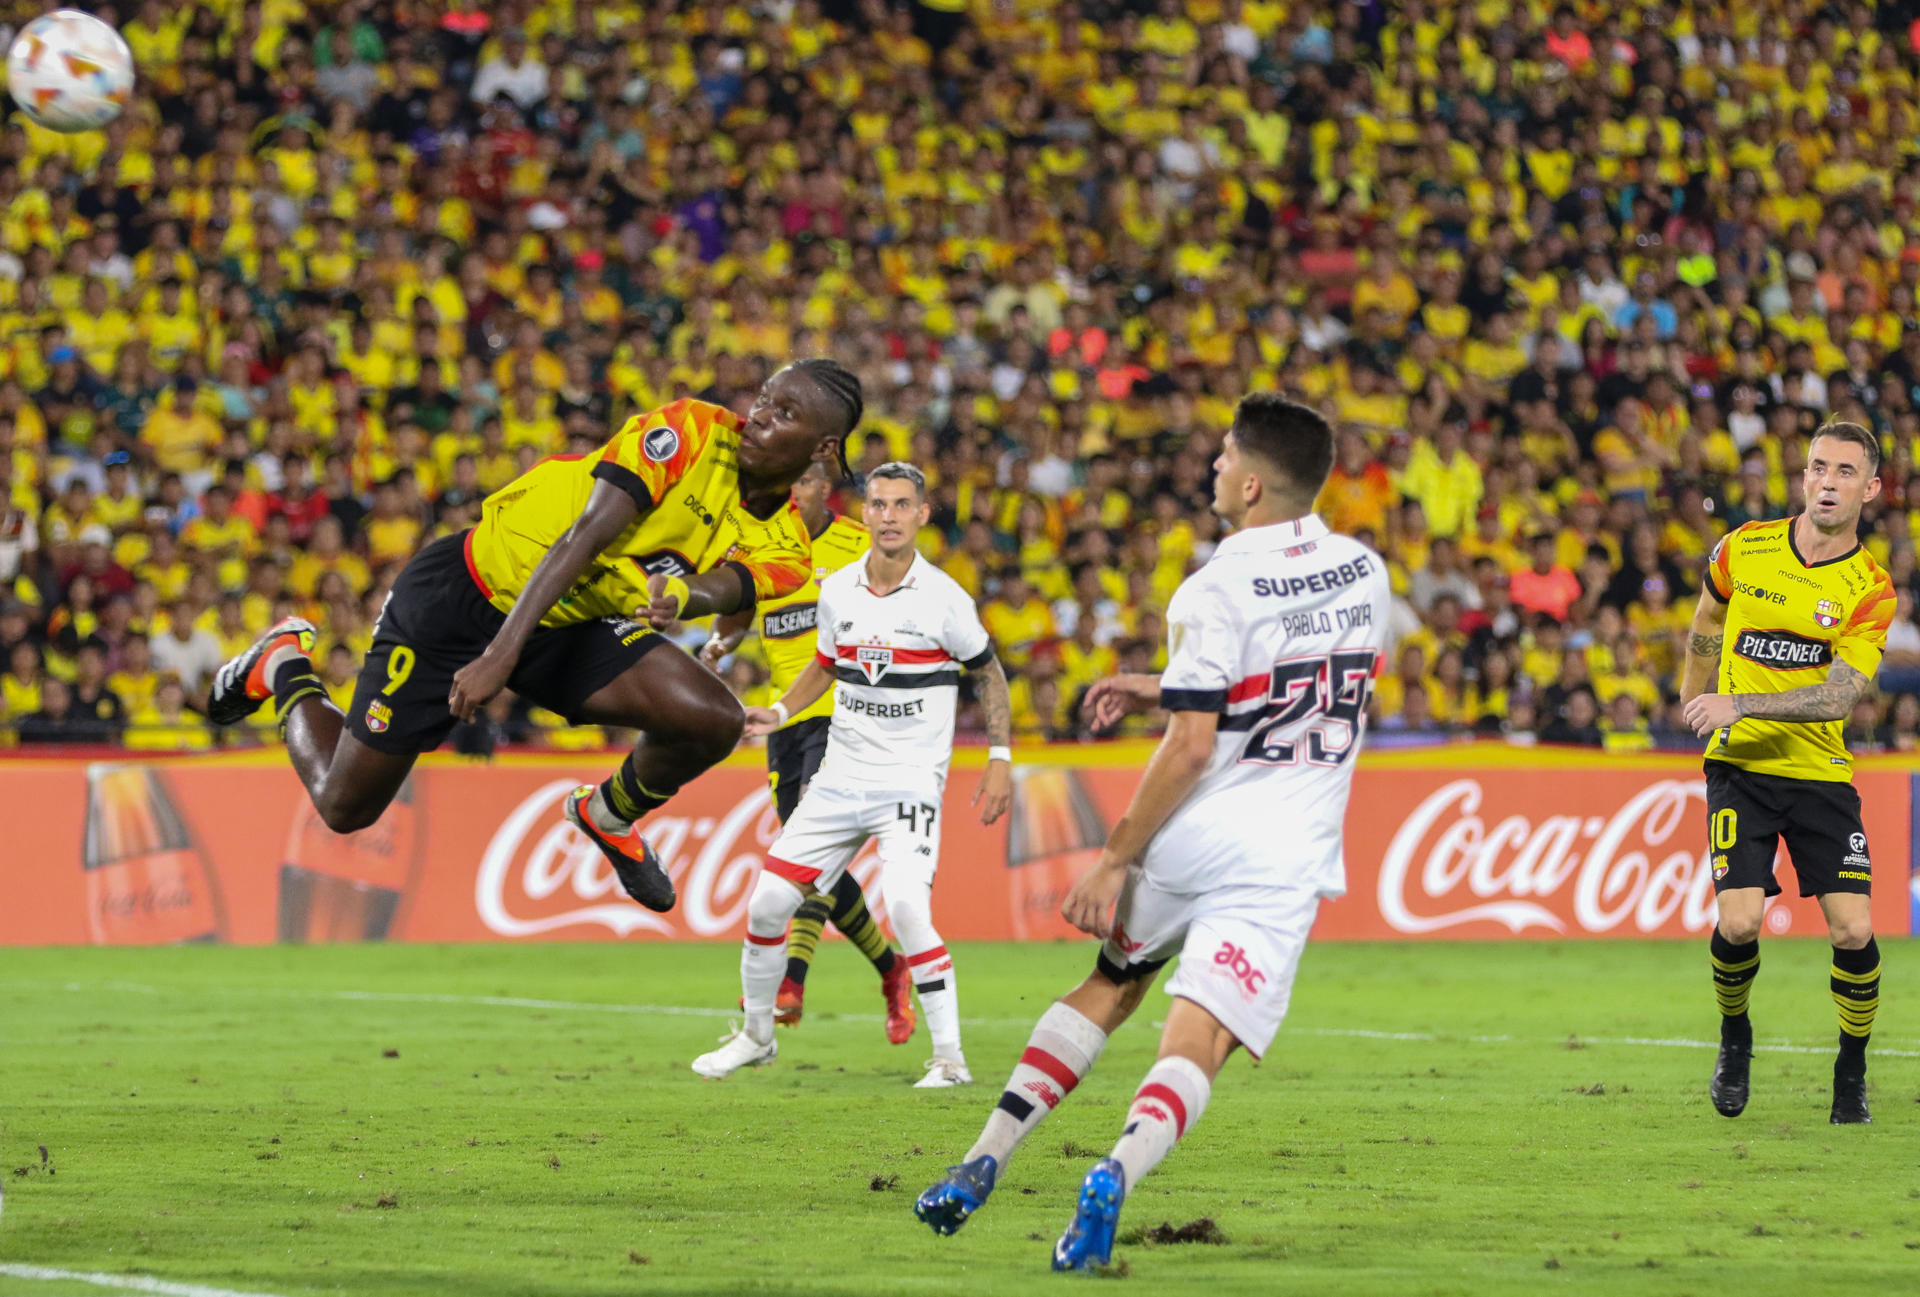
[(559, 593), (1783, 602), (794, 750)]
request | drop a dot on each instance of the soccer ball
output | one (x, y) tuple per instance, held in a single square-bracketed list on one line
[(69, 71)]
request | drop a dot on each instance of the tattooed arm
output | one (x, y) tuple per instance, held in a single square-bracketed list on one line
[(1703, 646), (996, 705), (1831, 700)]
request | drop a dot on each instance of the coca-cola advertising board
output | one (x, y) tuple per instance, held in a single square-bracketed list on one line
[(1469, 845)]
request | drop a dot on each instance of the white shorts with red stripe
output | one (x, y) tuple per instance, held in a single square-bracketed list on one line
[(832, 822), (1239, 948)]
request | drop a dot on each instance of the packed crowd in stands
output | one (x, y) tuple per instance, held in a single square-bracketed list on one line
[(1573, 282)]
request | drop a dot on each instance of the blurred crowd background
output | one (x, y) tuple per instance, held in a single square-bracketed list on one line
[(1573, 282)]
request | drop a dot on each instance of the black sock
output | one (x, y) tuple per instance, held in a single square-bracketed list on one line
[(1734, 968), (855, 921), (1855, 981), (629, 798), (803, 937), (292, 682)]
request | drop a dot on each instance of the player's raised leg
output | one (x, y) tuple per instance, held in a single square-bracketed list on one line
[(688, 722), (1062, 1050), (1855, 982)]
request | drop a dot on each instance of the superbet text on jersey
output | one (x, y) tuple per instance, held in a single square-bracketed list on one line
[(1282, 634)]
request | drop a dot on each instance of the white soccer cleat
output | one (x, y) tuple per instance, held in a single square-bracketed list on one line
[(943, 1073), (736, 1051)]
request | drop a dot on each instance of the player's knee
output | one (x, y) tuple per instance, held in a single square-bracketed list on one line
[(712, 729), (772, 904), (344, 815), (1739, 929), (1850, 934), (913, 920)]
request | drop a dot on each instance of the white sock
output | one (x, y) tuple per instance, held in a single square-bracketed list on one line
[(763, 962), (1063, 1048), (763, 955), (932, 971), (603, 815), (1166, 1106)]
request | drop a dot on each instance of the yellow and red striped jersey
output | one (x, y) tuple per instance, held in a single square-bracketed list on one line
[(787, 623), (681, 465), (1787, 621)]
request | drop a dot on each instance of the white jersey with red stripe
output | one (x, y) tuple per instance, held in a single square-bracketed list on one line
[(1281, 634), (896, 659)]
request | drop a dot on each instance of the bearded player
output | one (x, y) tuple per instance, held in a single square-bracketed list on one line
[(1791, 624), (787, 635), (1234, 835), (894, 633), (559, 593)]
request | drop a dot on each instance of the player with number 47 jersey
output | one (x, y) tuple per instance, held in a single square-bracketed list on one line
[(1233, 837), (895, 632)]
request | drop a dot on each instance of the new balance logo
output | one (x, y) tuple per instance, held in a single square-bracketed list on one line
[(1152, 1110), (1043, 1092)]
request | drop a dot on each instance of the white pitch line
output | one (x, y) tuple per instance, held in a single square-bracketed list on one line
[(130, 1282), (697, 1011)]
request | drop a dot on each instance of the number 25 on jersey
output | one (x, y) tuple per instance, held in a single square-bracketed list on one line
[(1315, 708)]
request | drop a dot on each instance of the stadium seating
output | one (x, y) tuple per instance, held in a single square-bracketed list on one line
[(1573, 283)]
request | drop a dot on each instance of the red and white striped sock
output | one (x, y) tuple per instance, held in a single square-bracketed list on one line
[(1064, 1045), (932, 971), (1165, 1107)]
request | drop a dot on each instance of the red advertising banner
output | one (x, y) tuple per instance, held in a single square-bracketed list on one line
[(1475, 844)]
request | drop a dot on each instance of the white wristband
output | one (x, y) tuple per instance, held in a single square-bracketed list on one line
[(1000, 754), (780, 710)]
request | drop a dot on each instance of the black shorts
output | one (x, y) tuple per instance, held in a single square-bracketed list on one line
[(1748, 813), (793, 754), (436, 621)]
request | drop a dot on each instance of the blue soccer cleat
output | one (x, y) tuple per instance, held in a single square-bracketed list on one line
[(947, 1204), (1088, 1241)]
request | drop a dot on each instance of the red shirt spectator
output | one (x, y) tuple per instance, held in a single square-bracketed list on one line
[(1547, 586)]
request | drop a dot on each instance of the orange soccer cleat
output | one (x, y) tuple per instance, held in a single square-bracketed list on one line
[(897, 985)]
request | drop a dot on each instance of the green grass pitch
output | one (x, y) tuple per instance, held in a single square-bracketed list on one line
[(493, 1121)]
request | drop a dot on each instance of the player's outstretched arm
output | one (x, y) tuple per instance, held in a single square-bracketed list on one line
[(609, 512), (1703, 646), (1112, 700), (1171, 774), (804, 693), (995, 793)]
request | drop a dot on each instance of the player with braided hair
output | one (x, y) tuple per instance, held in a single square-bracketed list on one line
[(560, 593)]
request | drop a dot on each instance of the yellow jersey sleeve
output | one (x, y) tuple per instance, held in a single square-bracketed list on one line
[(653, 452), (1864, 639)]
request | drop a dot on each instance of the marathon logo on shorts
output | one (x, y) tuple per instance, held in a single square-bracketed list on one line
[(379, 714), (873, 661), (1827, 613), (789, 623), (1783, 650), (627, 629), (659, 444)]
